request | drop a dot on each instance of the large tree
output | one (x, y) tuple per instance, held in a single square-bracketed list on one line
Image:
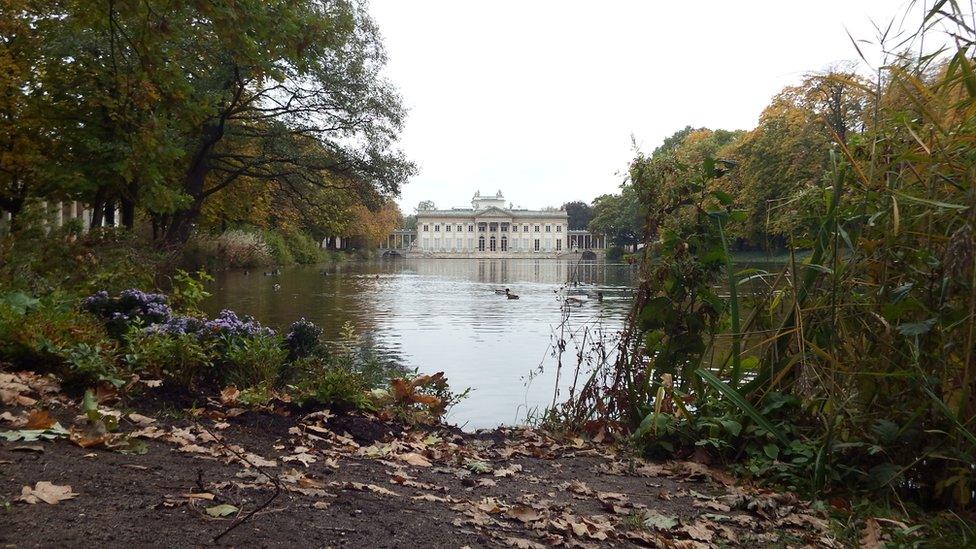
[(579, 213), (165, 104)]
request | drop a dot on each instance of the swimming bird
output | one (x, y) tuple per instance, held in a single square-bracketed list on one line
[(577, 300), (510, 295), (501, 292)]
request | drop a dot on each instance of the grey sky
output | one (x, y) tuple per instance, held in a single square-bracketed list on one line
[(540, 98)]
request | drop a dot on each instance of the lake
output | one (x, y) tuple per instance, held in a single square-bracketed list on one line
[(442, 315)]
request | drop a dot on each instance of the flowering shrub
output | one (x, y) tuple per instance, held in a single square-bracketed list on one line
[(302, 338), (132, 306), (177, 325), (228, 325)]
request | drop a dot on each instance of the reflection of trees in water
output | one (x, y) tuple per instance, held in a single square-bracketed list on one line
[(545, 271)]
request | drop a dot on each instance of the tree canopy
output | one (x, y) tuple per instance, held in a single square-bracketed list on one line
[(165, 107)]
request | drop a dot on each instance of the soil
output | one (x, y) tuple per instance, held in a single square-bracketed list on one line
[(464, 490)]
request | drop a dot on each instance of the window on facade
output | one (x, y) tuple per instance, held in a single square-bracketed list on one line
[(514, 228), (447, 228), (491, 244), (525, 228), (481, 243), (482, 227), (437, 228), (460, 228), (493, 227), (504, 244), (426, 227), (548, 228), (559, 228), (536, 228), (536, 248), (559, 245), (470, 228)]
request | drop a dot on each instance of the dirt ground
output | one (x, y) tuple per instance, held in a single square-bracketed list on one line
[(277, 478)]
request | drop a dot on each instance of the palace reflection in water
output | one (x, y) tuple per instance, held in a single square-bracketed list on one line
[(442, 315)]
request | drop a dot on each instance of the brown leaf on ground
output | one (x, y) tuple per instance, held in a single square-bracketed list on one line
[(15, 422), (871, 535), (229, 395), (508, 471), (524, 513), (370, 488), (698, 531), (522, 543), (140, 419), (46, 492), (413, 458), (88, 437), (39, 419), (13, 398)]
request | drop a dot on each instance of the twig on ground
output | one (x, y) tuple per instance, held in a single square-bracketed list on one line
[(273, 478)]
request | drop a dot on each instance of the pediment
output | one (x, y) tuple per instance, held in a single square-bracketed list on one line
[(493, 212)]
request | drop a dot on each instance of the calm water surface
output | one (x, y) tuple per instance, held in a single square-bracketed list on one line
[(443, 315)]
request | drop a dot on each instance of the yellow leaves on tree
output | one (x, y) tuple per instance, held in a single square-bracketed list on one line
[(374, 226)]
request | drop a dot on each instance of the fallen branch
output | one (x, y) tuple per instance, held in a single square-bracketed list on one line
[(273, 478)]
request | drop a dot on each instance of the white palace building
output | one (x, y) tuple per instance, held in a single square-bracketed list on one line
[(489, 228)]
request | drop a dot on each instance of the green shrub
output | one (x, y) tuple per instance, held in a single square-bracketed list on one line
[(330, 385), (248, 362), (189, 291), (50, 335), (278, 248), (41, 258), (303, 249), (615, 253), (182, 358)]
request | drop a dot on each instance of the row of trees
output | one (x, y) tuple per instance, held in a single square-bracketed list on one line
[(227, 111), (773, 171)]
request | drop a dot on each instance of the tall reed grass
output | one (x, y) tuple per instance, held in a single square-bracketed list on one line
[(855, 367)]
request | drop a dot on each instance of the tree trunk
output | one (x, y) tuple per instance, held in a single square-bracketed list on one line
[(98, 209), (128, 205), (13, 206), (110, 213)]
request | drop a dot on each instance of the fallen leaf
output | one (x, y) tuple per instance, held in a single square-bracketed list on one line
[(39, 419), (12, 420), (658, 521), (522, 543), (222, 510), (28, 448), (413, 458), (229, 394), (432, 497), (698, 531), (871, 535), (46, 492), (524, 513), (321, 505), (140, 419), (508, 471)]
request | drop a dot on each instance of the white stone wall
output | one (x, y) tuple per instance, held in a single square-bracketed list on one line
[(533, 235)]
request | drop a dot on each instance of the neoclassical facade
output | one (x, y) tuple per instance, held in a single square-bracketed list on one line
[(489, 228)]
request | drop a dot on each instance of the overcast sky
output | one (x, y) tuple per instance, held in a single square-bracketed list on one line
[(540, 98)]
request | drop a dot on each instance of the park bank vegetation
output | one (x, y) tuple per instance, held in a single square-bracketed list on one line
[(196, 118), (852, 368)]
